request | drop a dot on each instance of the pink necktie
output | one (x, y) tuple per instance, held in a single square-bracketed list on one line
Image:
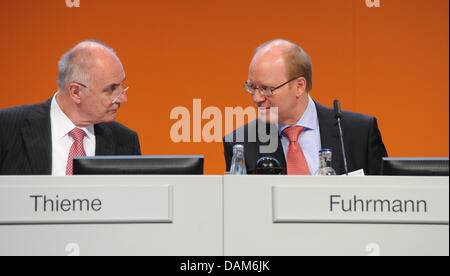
[(77, 148), (296, 161)]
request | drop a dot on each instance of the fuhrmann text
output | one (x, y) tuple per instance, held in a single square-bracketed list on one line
[(357, 204)]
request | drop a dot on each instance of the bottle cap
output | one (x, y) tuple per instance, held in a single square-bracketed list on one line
[(238, 147)]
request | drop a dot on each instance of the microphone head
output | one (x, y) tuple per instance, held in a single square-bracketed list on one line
[(337, 109), (268, 165)]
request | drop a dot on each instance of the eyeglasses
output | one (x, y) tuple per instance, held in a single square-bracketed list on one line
[(266, 91), (123, 87)]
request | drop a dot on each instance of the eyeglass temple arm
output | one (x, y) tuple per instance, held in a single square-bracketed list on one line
[(120, 95)]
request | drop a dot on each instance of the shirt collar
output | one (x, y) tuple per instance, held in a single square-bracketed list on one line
[(63, 125), (308, 119)]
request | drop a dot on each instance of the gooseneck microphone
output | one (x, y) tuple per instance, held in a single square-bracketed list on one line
[(338, 115)]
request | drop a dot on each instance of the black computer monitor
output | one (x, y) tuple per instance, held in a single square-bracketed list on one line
[(105, 165), (415, 166)]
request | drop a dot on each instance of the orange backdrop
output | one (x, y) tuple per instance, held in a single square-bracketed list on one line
[(390, 62)]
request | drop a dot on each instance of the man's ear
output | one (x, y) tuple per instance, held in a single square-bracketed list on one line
[(300, 85), (75, 91)]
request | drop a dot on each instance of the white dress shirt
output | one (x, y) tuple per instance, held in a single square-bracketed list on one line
[(61, 125), (309, 139)]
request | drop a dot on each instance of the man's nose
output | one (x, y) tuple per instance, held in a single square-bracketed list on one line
[(258, 97), (122, 99)]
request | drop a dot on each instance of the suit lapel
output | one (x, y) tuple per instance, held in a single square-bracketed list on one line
[(329, 135), (104, 140), (38, 140)]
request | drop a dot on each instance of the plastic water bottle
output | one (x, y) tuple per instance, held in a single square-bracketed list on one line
[(325, 163), (238, 161)]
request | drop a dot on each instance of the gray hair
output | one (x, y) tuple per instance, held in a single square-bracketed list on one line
[(75, 65)]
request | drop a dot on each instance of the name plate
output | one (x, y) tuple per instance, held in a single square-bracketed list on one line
[(72, 200), (363, 200)]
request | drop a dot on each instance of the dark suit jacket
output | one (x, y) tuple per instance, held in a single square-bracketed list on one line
[(26, 140), (362, 139)]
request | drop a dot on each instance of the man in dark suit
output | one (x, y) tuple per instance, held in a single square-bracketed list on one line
[(78, 120), (280, 77)]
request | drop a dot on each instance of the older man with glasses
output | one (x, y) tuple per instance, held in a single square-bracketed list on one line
[(77, 121), (280, 76)]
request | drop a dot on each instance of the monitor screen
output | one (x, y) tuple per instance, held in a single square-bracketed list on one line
[(104, 165), (415, 166)]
